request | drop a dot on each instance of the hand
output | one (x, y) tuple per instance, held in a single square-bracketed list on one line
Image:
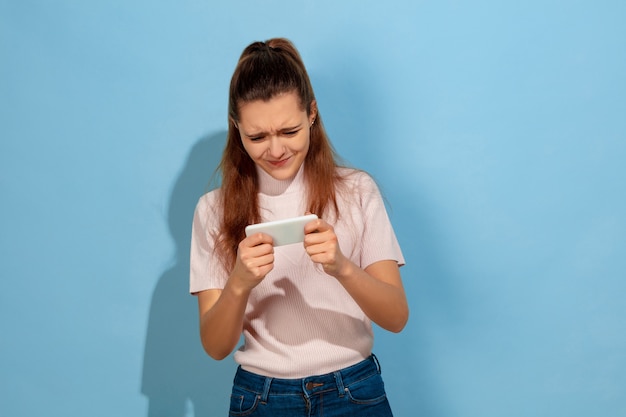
[(255, 259), (322, 246)]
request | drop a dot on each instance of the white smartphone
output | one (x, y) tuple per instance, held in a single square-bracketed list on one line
[(284, 232)]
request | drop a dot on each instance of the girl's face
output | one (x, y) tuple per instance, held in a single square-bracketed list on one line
[(276, 133)]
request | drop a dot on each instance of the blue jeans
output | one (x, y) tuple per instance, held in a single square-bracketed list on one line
[(357, 390)]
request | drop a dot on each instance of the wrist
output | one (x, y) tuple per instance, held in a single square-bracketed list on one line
[(236, 288), (346, 271)]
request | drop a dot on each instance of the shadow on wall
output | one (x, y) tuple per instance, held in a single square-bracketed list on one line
[(179, 378)]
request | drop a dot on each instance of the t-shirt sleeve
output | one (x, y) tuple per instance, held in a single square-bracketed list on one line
[(379, 240), (205, 270)]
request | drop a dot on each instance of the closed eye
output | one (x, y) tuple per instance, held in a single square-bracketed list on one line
[(259, 136), (291, 133)]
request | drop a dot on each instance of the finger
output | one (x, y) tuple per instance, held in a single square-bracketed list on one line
[(259, 238), (259, 261), (256, 240), (315, 253), (258, 251), (256, 268), (320, 249), (315, 226), (265, 269), (322, 258), (320, 238)]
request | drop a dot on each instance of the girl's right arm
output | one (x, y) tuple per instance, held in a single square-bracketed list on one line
[(221, 320), (222, 310)]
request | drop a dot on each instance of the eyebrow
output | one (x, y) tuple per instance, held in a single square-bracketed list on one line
[(262, 134)]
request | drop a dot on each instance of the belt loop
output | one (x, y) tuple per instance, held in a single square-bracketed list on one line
[(376, 363), (266, 389), (339, 381)]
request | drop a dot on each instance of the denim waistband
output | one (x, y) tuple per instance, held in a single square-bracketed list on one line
[(308, 386)]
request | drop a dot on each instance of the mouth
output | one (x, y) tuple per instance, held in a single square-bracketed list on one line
[(280, 163)]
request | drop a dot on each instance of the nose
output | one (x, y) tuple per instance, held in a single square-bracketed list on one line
[(276, 148)]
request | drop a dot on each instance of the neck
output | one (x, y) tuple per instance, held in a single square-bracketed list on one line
[(271, 186)]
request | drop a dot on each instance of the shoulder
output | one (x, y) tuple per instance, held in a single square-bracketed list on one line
[(356, 179), (211, 197), (208, 205)]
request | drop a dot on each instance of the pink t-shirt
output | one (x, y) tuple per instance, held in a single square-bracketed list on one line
[(300, 321)]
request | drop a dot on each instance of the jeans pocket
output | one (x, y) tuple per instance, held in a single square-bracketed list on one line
[(370, 390), (243, 402)]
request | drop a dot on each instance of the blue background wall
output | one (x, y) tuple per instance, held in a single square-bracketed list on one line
[(496, 131)]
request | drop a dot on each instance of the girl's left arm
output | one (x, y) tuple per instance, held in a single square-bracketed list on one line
[(377, 289), (379, 292)]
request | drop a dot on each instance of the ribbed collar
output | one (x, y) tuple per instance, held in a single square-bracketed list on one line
[(270, 186)]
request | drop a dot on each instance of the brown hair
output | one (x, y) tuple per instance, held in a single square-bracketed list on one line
[(264, 70)]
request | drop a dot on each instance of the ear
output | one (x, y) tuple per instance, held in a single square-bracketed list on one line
[(234, 122), (313, 112)]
